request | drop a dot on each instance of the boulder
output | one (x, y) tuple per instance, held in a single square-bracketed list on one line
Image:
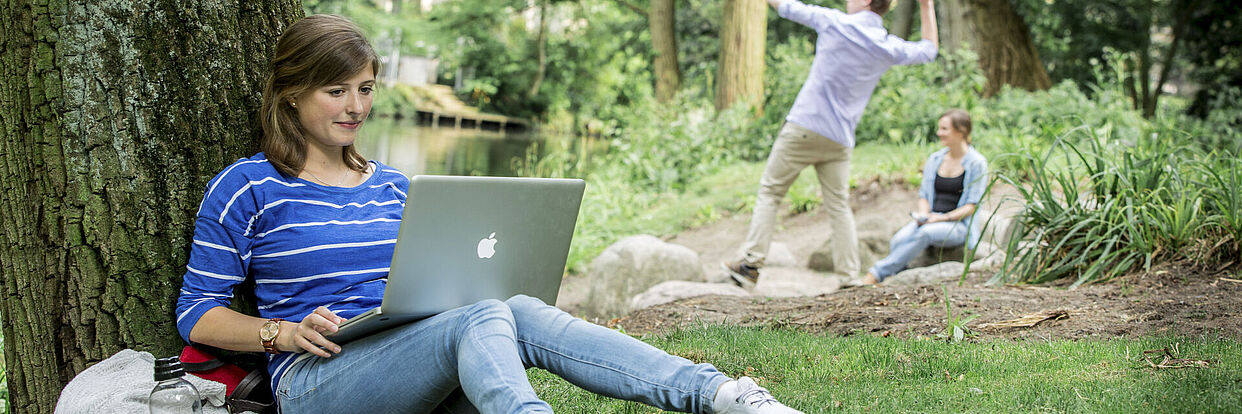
[(934, 255), (631, 266), (873, 236), (998, 227), (673, 290), (927, 275), (986, 257), (779, 282), (780, 255), (872, 246)]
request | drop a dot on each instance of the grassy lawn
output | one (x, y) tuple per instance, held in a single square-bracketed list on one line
[(863, 373)]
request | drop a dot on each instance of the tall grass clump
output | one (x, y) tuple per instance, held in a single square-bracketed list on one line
[(1098, 207)]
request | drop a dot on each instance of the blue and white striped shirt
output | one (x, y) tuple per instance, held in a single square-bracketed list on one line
[(304, 245), (852, 51)]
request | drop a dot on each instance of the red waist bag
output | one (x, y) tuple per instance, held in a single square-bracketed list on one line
[(244, 390)]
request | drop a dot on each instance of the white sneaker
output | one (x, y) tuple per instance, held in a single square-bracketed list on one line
[(744, 396)]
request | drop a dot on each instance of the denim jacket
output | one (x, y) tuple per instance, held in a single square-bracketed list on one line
[(976, 181)]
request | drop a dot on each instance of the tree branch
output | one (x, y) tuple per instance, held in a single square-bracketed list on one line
[(631, 6)]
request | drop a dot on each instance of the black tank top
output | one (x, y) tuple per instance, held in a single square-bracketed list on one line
[(948, 192)]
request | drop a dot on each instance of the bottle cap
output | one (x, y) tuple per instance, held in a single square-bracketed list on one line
[(168, 368)]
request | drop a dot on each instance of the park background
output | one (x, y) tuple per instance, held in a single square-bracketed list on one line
[(1118, 118)]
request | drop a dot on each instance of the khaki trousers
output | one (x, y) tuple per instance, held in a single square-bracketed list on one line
[(796, 148)]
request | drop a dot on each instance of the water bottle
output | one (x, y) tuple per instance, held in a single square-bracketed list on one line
[(172, 393)]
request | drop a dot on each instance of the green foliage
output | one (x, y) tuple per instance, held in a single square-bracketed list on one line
[(396, 99), (955, 329), (862, 373), (1112, 206), (1076, 36), (657, 162)]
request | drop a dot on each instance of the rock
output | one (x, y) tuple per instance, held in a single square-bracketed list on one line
[(927, 275), (631, 266), (998, 228), (871, 247), (779, 255), (933, 255), (987, 258), (715, 273), (781, 282), (679, 289), (873, 236)]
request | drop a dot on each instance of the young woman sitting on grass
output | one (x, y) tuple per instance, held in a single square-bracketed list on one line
[(954, 179), (313, 225)]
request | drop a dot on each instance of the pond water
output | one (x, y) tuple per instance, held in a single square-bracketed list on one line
[(417, 149)]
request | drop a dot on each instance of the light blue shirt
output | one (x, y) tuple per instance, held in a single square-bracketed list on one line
[(973, 186), (851, 53)]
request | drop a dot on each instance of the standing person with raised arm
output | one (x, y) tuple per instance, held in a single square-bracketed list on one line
[(852, 51)]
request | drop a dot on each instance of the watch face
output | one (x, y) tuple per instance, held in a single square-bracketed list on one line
[(269, 331)]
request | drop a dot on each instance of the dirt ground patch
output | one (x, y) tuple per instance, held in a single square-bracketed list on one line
[(1169, 300)]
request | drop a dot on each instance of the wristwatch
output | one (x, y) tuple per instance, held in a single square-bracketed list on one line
[(267, 334)]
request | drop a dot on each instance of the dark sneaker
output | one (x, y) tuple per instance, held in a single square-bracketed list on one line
[(743, 275)]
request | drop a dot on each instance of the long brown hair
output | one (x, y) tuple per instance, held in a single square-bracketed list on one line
[(316, 51), (960, 120), (880, 6)]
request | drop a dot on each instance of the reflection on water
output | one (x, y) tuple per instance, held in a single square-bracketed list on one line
[(416, 149)]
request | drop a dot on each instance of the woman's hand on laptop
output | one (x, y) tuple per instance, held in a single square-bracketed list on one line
[(308, 334)]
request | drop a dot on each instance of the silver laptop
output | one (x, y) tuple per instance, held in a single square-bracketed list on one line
[(465, 239)]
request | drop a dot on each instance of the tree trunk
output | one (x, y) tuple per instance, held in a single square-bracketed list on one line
[(742, 35), (115, 116), (541, 52), (1001, 39), (903, 18), (662, 21), (1179, 31)]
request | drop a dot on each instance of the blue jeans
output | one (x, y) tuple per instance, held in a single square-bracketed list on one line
[(485, 349), (912, 239)]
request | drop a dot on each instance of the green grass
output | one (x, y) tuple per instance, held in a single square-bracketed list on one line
[(862, 373)]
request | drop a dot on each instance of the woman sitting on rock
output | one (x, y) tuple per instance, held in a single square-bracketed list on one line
[(954, 179)]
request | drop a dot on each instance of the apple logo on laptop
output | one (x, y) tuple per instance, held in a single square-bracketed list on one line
[(487, 247)]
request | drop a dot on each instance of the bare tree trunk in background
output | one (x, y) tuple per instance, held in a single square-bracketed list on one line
[(1001, 39), (903, 18), (541, 43), (663, 24), (1152, 96), (115, 116), (742, 35)]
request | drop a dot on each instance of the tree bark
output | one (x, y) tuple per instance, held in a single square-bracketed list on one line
[(1000, 38), (742, 35), (1179, 31), (541, 52), (115, 116), (662, 22), (903, 18)]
